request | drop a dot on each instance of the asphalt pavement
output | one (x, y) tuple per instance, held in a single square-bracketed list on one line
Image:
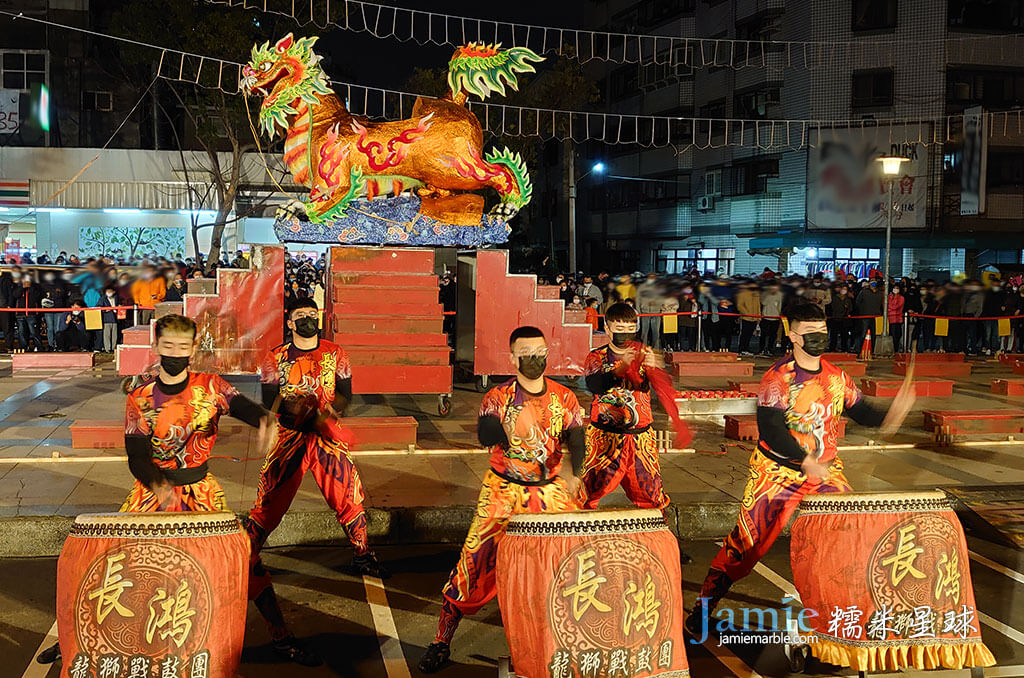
[(370, 629)]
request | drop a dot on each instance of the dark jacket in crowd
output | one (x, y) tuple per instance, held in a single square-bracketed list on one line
[(868, 302), (28, 297)]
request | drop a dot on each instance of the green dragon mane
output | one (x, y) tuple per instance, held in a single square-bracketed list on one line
[(483, 69), (273, 115)]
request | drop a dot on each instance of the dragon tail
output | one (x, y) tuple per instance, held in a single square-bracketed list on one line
[(521, 193), (482, 69)]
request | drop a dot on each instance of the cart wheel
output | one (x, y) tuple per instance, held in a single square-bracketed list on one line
[(798, 657), (481, 383), (444, 405)]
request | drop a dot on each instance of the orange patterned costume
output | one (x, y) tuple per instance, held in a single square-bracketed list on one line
[(523, 478), (813, 404), (307, 383), (181, 429)]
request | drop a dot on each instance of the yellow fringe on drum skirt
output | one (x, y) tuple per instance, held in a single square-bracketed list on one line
[(891, 657)]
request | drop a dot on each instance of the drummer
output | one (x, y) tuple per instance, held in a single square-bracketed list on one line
[(525, 422), (621, 448), (170, 428), (799, 405), (309, 382)]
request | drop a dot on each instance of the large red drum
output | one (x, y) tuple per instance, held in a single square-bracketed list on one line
[(153, 594), (592, 593), (886, 582)]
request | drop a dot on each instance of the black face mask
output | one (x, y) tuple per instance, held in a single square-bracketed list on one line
[(532, 366), (307, 327), (815, 343), (173, 365), (622, 339)]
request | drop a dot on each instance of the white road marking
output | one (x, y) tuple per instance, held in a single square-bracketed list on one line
[(387, 632), (1001, 569), (1008, 631), (34, 668)]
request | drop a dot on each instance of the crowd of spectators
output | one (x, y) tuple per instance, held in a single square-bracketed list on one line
[(697, 313), (129, 288)]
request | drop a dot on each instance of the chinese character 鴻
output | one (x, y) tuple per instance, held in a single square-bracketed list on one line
[(174, 613), (641, 608), (947, 581)]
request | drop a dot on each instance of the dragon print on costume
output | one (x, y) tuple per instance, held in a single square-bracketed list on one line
[(404, 181)]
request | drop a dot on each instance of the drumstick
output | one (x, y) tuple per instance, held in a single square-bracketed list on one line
[(908, 382)]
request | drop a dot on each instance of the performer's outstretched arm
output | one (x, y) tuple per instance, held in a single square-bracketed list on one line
[(866, 414), (246, 410), (490, 432), (773, 430), (140, 462)]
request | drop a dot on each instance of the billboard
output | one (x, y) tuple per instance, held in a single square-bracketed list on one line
[(846, 189), (975, 162)]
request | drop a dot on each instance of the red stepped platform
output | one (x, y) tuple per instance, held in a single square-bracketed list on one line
[(839, 357), (382, 432), (931, 357), (505, 301), (888, 388), (750, 386), (21, 361), (97, 433), (935, 369), (384, 312), (713, 369), (744, 427), (695, 357), (1008, 387), (954, 422), (1010, 358), (1018, 367), (853, 369), (140, 335)]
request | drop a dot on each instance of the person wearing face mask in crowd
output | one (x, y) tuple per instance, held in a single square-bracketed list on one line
[(28, 295), (895, 315), (867, 304), (621, 449), (176, 290), (109, 300), (995, 306), (771, 309), (649, 299), (799, 405), (839, 309), (74, 336), (148, 291), (53, 296), (309, 382), (524, 422)]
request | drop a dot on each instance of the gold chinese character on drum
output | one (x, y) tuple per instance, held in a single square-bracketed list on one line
[(887, 578), (592, 594), (160, 592)]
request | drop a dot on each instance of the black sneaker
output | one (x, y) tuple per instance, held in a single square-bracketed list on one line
[(695, 622), (49, 655), (368, 566), (289, 648), (437, 656)]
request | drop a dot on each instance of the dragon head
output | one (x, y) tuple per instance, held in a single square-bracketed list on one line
[(481, 69), (283, 74)]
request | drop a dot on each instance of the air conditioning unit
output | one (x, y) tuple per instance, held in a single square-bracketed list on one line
[(705, 203)]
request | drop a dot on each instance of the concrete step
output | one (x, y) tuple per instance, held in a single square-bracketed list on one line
[(377, 294), (700, 357), (375, 379), (382, 432), (399, 355), (925, 388), (744, 427), (97, 433), (385, 304), (954, 422), (21, 361), (346, 339), (1008, 387), (713, 369), (935, 369), (931, 357), (381, 260)]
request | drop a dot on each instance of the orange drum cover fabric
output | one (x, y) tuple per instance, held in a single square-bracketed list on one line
[(153, 595), (592, 594), (888, 576)]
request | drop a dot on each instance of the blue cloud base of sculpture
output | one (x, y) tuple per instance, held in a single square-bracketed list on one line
[(392, 221)]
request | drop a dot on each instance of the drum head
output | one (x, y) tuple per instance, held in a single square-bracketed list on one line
[(586, 523), (875, 502), (164, 525)]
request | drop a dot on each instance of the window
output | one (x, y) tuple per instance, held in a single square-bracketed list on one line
[(715, 124), (989, 15), (758, 105), (99, 101), (21, 70), (991, 89), (1005, 170), (625, 81), (713, 182), (752, 177), (871, 89), (758, 31), (873, 15), (705, 260), (682, 58)]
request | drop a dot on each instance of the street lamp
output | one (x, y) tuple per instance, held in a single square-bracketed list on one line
[(891, 170), (596, 168)]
